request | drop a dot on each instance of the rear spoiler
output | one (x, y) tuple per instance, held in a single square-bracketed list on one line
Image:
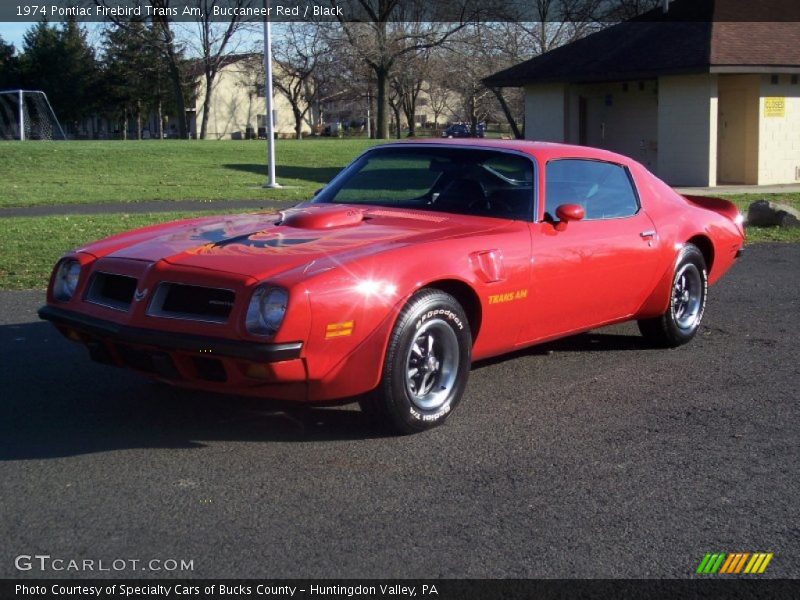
[(718, 205)]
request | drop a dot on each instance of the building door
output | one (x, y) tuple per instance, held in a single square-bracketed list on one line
[(731, 136)]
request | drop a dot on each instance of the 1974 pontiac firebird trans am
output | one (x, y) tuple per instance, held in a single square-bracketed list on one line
[(414, 261)]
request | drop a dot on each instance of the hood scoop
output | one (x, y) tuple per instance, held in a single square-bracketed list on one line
[(322, 216)]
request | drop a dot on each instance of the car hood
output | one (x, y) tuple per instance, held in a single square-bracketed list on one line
[(261, 245)]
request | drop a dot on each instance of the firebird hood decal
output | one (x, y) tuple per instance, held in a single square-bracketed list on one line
[(258, 245)]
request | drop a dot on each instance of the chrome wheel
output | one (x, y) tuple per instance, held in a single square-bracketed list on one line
[(687, 296), (432, 365)]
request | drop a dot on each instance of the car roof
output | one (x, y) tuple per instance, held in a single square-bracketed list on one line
[(542, 150)]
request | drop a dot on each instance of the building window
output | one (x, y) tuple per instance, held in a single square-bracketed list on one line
[(794, 79), (774, 79)]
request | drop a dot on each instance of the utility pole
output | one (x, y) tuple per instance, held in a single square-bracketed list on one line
[(271, 183), (21, 118)]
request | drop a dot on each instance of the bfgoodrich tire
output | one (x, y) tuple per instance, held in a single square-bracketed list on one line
[(687, 302), (426, 366)]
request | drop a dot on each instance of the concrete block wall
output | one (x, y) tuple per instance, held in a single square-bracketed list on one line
[(779, 137), (687, 129), (545, 112)]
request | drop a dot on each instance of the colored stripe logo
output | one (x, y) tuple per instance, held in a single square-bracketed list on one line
[(734, 563), (334, 330)]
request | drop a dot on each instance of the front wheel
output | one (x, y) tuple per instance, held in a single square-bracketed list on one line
[(426, 366), (687, 303)]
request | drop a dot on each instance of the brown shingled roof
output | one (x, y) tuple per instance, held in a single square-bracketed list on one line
[(693, 37)]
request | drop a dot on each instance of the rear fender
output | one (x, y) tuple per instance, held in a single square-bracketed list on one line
[(725, 208)]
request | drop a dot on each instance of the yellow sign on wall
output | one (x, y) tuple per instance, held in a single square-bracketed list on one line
[(775, 107)]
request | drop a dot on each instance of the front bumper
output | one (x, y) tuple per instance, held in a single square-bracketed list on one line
[(218, 347)]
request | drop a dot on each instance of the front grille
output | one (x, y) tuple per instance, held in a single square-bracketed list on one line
[(112, 290), (180, 301)]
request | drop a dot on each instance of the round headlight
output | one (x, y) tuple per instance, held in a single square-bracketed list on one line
[(266, 310), (66, 280)]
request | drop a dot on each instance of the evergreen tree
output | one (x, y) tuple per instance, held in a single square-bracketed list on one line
[(60, 62), (127, 65), (9, 66), (137, 76)]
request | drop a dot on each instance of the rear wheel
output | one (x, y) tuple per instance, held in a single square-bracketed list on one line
[(687, 303), (426, 366)]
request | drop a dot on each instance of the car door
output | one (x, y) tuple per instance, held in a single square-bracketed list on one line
[(595, 270)]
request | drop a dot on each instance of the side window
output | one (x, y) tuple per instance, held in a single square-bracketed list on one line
[(603, 189)]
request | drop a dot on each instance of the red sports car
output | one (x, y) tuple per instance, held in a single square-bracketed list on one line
[(415, 260)]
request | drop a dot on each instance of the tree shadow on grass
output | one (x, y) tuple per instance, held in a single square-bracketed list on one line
[(313, 174)]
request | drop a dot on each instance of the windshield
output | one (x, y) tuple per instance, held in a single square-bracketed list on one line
[(457, 180)]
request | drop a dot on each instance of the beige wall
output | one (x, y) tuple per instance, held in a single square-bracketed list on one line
[(620, 116), (737, 129), (687, 129), (545, 112), (696, 130), (235, 105), (779, 137)]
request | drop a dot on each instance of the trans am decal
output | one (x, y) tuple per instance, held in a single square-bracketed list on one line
[(508, 297)]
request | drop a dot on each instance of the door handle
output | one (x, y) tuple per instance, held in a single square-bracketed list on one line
[(648, 234)]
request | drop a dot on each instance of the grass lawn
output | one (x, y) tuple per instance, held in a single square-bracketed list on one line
[(30, 246), (174, 170), (134, 171), (768, 234)]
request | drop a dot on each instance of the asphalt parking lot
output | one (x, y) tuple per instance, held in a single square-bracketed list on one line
[(595, 456)]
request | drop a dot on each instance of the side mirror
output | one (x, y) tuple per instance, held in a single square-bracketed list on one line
[(316, 192), (567, 213)]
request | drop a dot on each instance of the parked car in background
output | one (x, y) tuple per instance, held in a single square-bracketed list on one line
[(463, 130), (417, 259)]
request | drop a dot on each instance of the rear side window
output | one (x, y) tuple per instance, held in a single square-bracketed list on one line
[(604, 190)]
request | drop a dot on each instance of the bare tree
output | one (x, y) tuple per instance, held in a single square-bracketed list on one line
[(395, 104), (380, 40), (410, 73), (298, 54), (436, 88), (214, 42)]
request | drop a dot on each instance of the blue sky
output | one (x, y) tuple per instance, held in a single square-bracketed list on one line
[(13, 32)]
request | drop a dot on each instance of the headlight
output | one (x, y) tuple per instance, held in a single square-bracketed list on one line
[(66, 280), (266, 310)]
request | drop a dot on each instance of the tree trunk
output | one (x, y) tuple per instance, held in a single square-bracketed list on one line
[(397, 122), (180, 101), (473, 117), (298, 124), (411, 116), (160, 127), (381, 117), (125, 125), (206, 105), (138, 120), (175, 77), (507, 112)]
